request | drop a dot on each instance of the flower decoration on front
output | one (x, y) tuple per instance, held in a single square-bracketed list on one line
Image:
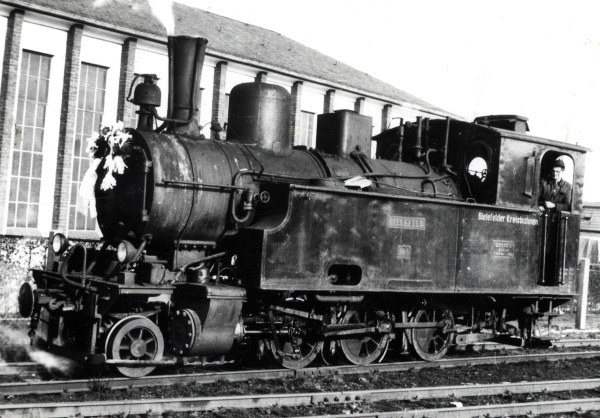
[(111, 145)]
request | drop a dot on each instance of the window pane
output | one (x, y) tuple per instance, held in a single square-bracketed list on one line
[(36, 169), (20, 107), (38, 140), (45, 67), (43, 91), (90, 98), (99, 101), (79, 222), (72, 218), (75, 174), (40, 115), (79, 125), (102, 77), (92, 72), (74, 187), (22, 86), (32, 217), (32, 88), (34, 64), (23, 190), (14, 187), (25, 164), (21, 215), (88, 123), (12, 211), (15, 164), (29, 114), (34, 192), (27, 139), (77, 147)]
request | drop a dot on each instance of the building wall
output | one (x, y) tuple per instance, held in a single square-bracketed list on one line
[(3, 21)]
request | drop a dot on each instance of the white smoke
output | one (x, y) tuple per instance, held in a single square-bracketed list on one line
[(16, 338), (163, 10), (54, 363)]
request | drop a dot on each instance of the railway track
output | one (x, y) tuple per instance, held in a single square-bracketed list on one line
[(455, 393), (21, 368), (83, 385)]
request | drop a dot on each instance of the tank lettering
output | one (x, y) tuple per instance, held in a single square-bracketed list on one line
[(403, 222), (503, 249), (495, 217), (404, 252)]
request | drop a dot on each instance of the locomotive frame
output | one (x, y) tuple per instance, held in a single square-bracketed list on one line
[(251, 247)]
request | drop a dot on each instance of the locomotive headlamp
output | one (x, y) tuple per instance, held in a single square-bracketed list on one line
[(126, 252), (60, 244)]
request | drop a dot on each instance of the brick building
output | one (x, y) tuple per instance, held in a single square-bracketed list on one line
[(68, 64)]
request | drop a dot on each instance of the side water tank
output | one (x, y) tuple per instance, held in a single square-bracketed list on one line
[(259, 113)]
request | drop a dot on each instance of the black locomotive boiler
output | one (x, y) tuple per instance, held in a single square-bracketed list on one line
[(249, 247)]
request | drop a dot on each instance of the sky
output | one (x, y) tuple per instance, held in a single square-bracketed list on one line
[(539, 59)]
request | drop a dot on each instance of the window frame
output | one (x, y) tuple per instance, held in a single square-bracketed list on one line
[(19, 149)]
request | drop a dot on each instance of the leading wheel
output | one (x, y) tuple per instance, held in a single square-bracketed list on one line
[(367, 348), (135, 338), (298, 343), (432, 343)]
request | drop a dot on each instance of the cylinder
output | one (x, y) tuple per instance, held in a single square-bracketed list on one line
[(207, 331)]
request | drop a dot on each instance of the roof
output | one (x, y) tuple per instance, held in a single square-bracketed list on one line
[(225, 36), (590, 221)]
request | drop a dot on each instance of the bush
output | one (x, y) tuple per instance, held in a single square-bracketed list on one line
[(17, 257)]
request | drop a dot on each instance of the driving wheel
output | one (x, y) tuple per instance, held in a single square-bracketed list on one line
[(135, 338), (298, 343), (431, 344), (369, 347)]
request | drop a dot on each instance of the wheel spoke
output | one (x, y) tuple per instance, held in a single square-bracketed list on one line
[(363, 349), (135, 338), (432, 344)]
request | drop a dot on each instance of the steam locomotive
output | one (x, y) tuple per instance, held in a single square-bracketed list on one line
[(251, 247)]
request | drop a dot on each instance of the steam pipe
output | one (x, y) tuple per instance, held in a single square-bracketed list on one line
[(446, 140), (400, 138), (425, 133), (65, 264), (418, 146)]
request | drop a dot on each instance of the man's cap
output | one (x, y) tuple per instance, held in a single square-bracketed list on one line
[(559, 163)]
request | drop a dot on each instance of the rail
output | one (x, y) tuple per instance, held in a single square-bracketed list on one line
[(158, 406), (81, 385)]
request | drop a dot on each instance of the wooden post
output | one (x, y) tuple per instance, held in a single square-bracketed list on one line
[(584, 278)]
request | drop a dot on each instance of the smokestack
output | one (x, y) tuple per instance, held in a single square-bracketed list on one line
[(186, 56)]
